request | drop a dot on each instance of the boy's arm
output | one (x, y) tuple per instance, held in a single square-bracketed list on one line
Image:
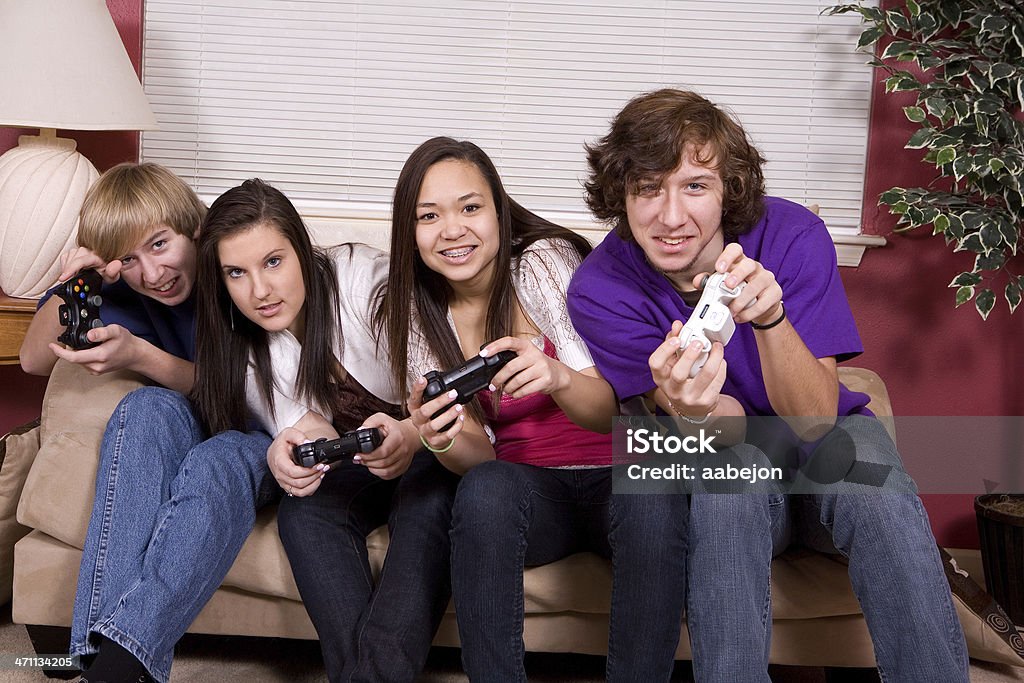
[(120, 349), (35, 354)]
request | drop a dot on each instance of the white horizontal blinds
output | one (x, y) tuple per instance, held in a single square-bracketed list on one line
[(327, 99)]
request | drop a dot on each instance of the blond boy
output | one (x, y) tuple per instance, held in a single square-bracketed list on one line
[(137, 228)]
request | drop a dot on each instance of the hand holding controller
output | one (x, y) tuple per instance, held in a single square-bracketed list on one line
[(467, 380), (711, 320), (80, 311), (328, 451)]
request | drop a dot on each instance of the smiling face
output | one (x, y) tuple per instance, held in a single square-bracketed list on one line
[(263, 276), (162, 266), (457, 232), (678, 221)]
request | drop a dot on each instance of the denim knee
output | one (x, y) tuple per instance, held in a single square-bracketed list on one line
[(487, 497)]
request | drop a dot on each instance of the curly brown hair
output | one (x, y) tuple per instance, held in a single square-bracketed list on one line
[(647, 140)]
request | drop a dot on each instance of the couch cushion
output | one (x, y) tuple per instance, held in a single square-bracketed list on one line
[(58, 493)]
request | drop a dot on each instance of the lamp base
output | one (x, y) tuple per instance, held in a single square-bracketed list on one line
[(43, 182)]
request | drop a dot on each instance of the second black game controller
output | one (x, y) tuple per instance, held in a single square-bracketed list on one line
[(327, 451), (467, 379), (80, 311)]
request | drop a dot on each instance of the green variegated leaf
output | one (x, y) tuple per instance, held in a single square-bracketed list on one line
[(951, 12), (966, 280), (956, 69), (984, 302), (971, 243), (991, 261), (996, 165), (962, 109), (962, 166), (913, 8), (982, 123), (870, 36), (927, 24), (897, 48), (941, 224), (936, 106), (915, 114), (1008, 232), (978, 82), (897, 20), (990, 235), (892, 196), (973, 220), (1012, 294), (900, 208), (956, 227), (994, 24), (963, 295), (945, 155), (1000, 71), (920, 138), (988, 105)]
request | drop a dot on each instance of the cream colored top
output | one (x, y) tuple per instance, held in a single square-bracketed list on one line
[(540, 276), (361, 271)]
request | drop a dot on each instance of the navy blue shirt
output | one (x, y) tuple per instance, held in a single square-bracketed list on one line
[(171, 328)]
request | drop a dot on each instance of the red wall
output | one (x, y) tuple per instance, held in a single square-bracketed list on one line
[(22, 394), (936, 360)]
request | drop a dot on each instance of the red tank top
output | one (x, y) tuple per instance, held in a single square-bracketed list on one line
[(535, 431)]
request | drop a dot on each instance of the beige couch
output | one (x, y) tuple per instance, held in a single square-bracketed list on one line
[(817, 620)]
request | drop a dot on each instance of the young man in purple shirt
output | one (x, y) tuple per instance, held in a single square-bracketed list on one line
[(684, 189)]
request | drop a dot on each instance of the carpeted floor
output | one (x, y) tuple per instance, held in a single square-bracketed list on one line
[(216, 659)]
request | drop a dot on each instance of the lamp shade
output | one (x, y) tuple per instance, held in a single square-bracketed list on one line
[(64, 66)]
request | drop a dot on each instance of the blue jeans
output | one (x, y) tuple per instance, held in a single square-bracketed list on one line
[(894, 567), (380, 634), (171, 512), (509, 515)]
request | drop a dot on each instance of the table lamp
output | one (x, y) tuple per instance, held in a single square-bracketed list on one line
[(64, 66)]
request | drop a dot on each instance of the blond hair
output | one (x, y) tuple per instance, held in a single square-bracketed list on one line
[(129, 201)]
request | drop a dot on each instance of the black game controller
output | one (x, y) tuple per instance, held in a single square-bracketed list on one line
[(345, 446), (80, 311), (467, 379)]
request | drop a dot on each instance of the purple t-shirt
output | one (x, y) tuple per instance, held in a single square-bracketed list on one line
[(623, 308)]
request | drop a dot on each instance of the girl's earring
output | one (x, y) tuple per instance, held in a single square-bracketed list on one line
[(231, 314)]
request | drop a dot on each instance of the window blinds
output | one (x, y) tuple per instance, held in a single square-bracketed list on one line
[(325, 99)]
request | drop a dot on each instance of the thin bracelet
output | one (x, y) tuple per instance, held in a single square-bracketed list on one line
[(436, 450), (687, 418), (768, 326)]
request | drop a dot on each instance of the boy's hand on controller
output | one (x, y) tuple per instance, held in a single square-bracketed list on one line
[(80, 258), (530, 372), (670, 370), (117, 349), (428, 428), (394, 455), (294, 479), (760, 285)]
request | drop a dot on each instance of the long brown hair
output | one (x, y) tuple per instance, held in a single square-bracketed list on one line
[(648, 138), (411, 283), (225, 339)]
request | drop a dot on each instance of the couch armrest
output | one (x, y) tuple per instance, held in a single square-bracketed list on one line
[(58, 493), (868, 382)]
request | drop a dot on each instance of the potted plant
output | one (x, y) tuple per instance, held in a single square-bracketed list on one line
[(965, 61)]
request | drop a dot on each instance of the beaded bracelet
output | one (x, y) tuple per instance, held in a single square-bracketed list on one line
[(691, 420), (436, 450)]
